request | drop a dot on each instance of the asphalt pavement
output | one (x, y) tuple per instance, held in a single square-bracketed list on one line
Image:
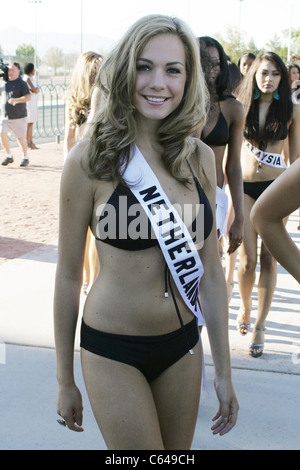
[(267, 387)]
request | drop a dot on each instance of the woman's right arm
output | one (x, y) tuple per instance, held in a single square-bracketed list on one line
[(70, 134), (76, 204), (278, 201)]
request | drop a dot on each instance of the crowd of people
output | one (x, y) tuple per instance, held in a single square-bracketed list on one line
[(162, 123)]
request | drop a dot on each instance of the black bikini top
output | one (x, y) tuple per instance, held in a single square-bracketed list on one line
[(219, 135), (135, 232)]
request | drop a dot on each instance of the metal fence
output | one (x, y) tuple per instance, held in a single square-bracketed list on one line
[(51, 113)]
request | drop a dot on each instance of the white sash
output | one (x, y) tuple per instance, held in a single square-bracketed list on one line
[(272, 159), (174, 238), (221, 211)]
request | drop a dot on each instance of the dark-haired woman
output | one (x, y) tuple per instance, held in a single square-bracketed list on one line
[(245, 62), (32, 105), (224, 129), (271, 117), (294, 74)]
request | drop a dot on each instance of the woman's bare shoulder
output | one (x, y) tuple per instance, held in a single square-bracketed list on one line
[(203, 158), (234, 107), (79, 155), (203, 165), (76, 166)]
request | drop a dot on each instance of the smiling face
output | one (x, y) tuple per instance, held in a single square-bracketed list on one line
[(267, 77), (160, 77)]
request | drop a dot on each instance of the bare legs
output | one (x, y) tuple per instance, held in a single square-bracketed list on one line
[(247, 273), (6, 144), (135, 414), (30, 144), (230, 259)]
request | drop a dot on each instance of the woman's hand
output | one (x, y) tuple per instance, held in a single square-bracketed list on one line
[(69, 406), (236, 235), (226, 417)]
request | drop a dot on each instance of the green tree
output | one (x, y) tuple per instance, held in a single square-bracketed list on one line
[(54, 58), (295, 40), (235, 44), (251, 47), (24, 54), (70, 61), (275, 45)]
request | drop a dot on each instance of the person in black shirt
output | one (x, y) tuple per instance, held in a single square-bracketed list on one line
[(15, 117)]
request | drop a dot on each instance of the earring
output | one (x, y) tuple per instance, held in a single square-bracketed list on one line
[(276, 95), (256, 93)]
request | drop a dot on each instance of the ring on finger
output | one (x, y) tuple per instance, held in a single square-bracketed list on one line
[(62, 422)]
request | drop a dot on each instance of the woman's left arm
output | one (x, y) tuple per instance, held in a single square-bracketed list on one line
[(234, 173), (214, 304), (294, 134)]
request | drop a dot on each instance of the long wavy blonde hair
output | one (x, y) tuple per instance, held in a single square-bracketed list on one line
[(114, 131), (78, 95)]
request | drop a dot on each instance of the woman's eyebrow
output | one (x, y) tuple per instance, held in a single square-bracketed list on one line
[(168, 63), (272, 70)]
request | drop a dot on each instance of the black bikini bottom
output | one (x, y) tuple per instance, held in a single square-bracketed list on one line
[(149, 354), (255, 188)]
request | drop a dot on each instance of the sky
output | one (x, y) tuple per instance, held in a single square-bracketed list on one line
[(257, 19)]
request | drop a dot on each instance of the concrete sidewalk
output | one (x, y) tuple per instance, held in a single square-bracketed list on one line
[(267, 387)]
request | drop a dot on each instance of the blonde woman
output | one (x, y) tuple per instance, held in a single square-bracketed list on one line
[(78, 96), (140, 349), (78, 108)]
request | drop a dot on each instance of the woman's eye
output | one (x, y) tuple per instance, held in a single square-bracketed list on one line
[(173, 70), (142, 67), (215, 64)]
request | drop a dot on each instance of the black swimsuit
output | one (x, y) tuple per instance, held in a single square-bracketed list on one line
[(255, 188), (149, 354), (219, 136), (121, 238)]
